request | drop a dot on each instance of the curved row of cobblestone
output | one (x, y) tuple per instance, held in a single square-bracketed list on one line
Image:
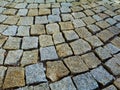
[(59, 45)]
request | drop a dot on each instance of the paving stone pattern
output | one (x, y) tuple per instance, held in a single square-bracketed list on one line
[(59, 44)]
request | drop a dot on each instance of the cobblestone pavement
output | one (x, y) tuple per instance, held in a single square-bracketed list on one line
[(59, 45)]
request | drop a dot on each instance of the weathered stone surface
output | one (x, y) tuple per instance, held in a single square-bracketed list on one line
[(35, 73), (117, 83), (2, 18), (117, 17), (76, 9), (56, 70), (2, 73), (115, 30), (10, 11), (89, 12), (91, 60), (44, 11), (116, 42), (85, 82), (43, 86), (70, 35), (23, 31), (32, 6), (48, 53), (21, 5), (65, 84), (41, 20), (102, 24), (37, 29), (78, 15), (80, 46), (22, 12), (83, 32), (45, 40), (94, 41), (75, 64), (67, 17), (112, 48), (58, 38), (10, 31), (25, 21), (54, 18), (97, 18), (105, 35), (3, 28), (93, 28), (52, 28), (78, 23), (2, 55), (103, 53), (111, 87), (64, 50), (66, 25), (30, 42), (65, 9), (2, 39), (111, 21), (113, 65), (101, 75), (12, 43), (42, 5), (88, 20), (29, 57), (13, 57), (14, 77), (33, 12), (55, 11)]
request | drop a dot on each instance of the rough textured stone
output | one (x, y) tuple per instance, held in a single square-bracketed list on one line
[(101, 75), (13, 57), (30, 42), (80, 46), (78, 23), (44, 11), (91, 60), (111, 87), (22, 12), (12, 43), (2, 73), (56, 70), (2, 55), (65, 9), (32, 6), (2, 39), (43, 86), (48, 53), (83, 32), (47, 5), (117, 17), (29, 57), (41, 20), (94, 41), (45, 40), (75, 64), (112, 48), (88, 20), (89, 12), (37, 30), (66, 25), (102, 24), (3, 28), (23, 31), (10, 31), (55, 11), (116, 42), (52, 28), (65, 84), (103, 53), (2, 18), (10, 11), (65, 51), (117, 83), (105, 35), (70, 35), (58, 38), (111, 21), (33, 12), (78, 15), (14, 77), (93, 28), (67, 17), (54, 18), (85, 82), (21, 5), (25, 21), (35, 73), (113, 65), (97, 18)]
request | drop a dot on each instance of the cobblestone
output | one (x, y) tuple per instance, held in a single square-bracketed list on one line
[(59, 45)]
